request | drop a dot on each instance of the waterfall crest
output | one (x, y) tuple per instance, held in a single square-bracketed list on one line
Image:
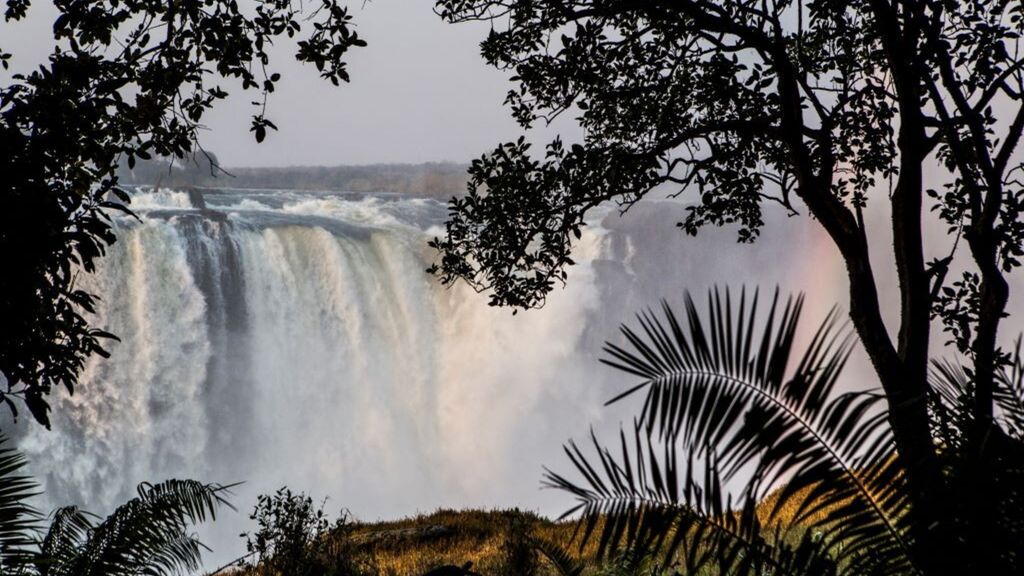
[(294, 338), (290, 338)]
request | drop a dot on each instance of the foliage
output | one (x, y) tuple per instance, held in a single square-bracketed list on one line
[(733, 103), (952, 423), (18, 520), (518, 549), (558, 557), (524, 553), (425, 542), (727, 402), (126, 80), (295, 538), (149, 534), (629, 562), (914, 108)]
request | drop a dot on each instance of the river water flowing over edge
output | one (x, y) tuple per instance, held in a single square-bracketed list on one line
[(294, 338)]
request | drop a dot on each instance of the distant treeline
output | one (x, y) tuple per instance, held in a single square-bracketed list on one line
[(436, 179)]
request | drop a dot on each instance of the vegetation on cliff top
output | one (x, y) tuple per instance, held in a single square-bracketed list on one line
[(440, 180)]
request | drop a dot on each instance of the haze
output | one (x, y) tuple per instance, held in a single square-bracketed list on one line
[(420, 92)]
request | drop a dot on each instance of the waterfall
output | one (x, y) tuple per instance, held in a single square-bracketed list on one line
[(287, 338), (290, 338)]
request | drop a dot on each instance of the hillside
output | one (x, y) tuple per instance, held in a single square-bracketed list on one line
[(497, 542), (491, 540)]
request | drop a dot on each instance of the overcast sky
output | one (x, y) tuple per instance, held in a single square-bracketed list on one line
[(420, 92)]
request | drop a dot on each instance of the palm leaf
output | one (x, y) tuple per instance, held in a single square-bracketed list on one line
[(559, 558), (1009, 394), (69, 527), (150, 533), (646, 500), (720, 388), (19, 522), (952, 387)]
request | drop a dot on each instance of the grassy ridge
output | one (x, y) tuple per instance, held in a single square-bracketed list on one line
[(497, 542), (412, 546), (415, 545)]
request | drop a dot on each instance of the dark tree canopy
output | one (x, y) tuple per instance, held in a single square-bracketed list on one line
[(128, 79), (816, 106)]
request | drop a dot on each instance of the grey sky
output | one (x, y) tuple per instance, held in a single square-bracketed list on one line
[(420, 92)]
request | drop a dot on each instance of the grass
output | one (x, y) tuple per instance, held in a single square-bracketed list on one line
[(413, 546)]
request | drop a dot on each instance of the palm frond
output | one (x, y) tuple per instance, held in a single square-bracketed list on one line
[(559, 558), (725, 351), (646, 500), (1009, 393), (19, 522), (724, 389), (69, 528), (150, 533), (952, 387), (999, 466)]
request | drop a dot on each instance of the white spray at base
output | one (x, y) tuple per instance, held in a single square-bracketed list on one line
[(300, 341), (285, 338)]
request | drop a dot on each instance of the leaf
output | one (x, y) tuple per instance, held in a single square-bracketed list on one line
[(727, 402)]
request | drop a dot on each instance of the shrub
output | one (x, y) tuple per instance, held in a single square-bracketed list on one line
[(295, 538)]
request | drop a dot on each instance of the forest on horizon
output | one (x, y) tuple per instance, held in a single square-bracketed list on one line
[(440, 180)]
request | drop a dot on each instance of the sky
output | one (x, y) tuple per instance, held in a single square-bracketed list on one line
[(420, 92)]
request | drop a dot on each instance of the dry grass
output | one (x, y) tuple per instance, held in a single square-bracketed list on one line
[(415, 545)]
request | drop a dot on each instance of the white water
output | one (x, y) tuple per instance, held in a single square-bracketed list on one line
[(296, 339), (283, 338)]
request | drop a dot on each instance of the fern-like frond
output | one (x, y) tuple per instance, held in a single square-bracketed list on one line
[(150, 533), (722, 348), (69, 528), (952, 387), (723, 388), (559, 558), (19, 522), (649, 499), (1009, 394)]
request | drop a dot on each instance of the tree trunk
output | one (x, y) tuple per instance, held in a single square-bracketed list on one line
[(933, 534)]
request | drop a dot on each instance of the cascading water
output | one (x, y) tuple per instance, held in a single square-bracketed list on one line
[(294, 338)]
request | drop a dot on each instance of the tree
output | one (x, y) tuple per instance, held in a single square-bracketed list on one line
[(149, 534), (127, 80), (815, 106)]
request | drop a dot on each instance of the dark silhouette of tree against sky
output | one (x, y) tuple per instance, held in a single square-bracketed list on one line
[(127, 80), (815, 106)]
